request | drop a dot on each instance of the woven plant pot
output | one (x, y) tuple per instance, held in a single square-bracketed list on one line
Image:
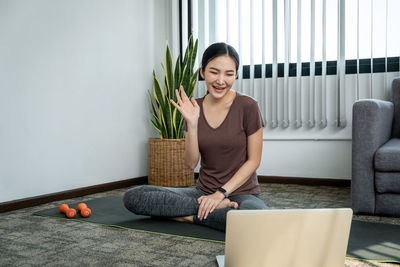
[(166, 163)]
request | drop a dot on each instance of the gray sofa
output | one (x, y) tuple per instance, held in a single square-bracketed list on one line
[(375, 184)]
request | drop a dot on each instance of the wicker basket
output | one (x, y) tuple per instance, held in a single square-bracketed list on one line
[(166, 163)]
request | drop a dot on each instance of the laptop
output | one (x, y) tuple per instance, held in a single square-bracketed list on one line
[(289, 237)]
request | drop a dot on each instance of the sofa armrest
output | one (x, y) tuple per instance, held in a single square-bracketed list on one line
[(372, 127), (396, 103)]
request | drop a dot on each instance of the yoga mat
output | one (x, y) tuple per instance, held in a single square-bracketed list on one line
[(374, 241), (110, 211), (368, 241)]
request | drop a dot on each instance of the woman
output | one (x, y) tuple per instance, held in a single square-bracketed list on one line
[(225, 129)]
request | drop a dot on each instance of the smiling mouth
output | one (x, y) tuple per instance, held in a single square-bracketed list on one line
[(219, 89)]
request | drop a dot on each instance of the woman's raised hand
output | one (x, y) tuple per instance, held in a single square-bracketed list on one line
[(189, 109)]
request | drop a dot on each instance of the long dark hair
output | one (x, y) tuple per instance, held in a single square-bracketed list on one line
[(219, 49)]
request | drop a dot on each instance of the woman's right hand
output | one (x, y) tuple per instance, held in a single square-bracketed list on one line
[(189, 109)]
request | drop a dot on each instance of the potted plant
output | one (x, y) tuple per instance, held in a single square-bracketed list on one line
[(166, 162)]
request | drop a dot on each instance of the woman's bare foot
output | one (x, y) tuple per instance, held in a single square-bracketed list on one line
[(226, 203), (188, 219)]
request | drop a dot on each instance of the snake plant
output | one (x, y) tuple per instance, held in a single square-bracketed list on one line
[(166, 119)]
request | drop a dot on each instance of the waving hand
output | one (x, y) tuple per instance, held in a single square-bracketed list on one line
[(189, 109)]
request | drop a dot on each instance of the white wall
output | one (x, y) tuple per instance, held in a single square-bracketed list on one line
[(310, 159), (74, 77)]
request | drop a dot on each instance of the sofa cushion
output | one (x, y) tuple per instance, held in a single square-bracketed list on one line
[(387, 157), (387, 182)]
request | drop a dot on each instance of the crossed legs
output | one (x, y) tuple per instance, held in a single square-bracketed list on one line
[(181, 204)]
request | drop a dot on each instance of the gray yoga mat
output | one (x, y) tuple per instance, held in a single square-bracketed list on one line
[(368, 241)]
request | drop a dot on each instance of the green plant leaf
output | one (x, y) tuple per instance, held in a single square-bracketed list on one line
[(186, 79), (185, 59), (192, 84), (163, 124), (157, 90), (178, 74), (167, 120), (193, 55), (178, 123), (156, 126), (169, 74), (153, 105), (175, 112)]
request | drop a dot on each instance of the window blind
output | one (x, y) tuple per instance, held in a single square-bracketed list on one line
[(291, 49)]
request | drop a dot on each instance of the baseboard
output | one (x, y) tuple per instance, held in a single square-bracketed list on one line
[(299, 180), (38, 200), (304, 181)]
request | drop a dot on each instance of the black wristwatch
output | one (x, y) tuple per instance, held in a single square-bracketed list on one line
[(223, 191)]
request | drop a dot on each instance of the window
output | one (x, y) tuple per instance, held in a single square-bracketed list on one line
[(288, 39), (371, 31)]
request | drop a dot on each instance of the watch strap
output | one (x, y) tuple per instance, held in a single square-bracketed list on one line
[(223, 191)]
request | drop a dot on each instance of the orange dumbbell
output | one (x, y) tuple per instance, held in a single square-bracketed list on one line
[(84, 210), (69, 212), (81, 206)]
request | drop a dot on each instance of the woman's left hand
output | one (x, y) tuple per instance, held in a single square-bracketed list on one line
[(208, 204)]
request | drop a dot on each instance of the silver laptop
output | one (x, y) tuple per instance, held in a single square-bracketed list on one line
[(290, 237)]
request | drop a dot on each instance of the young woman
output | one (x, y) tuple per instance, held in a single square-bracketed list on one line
[(224, 129)]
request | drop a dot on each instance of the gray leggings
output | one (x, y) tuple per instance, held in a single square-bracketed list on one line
[(178, 202)]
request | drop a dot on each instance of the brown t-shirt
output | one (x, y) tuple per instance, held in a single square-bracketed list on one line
[(223, 150)]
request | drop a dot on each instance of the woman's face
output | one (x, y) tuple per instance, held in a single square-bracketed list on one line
[(219, 75)]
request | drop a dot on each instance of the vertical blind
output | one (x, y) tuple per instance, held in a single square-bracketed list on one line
[(282, 43)]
